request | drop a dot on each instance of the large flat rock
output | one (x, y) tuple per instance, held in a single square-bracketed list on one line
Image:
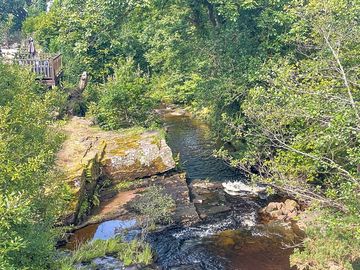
[(136, 155), (90, 153), (124, 155), (119, 204)]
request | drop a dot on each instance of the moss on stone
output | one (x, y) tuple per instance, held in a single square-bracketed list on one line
[(125, 144), (139, 170), (90, 153), (158, 164)]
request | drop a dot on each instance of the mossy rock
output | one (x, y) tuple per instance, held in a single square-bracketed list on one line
[(148, 155), (90, 153)]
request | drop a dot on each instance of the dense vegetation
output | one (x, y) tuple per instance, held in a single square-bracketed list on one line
[(124, 100), (12, 15), (30, 196), (279, 79)]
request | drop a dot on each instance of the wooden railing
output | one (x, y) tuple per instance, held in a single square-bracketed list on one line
[(47, 67), (57, 64)]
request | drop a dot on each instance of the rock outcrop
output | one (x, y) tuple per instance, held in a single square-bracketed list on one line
[(90, 154), (136, 156), (176, 186)]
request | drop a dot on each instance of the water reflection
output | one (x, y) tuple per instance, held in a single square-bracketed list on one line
[(235, 242), (109, 229), (193, 140), (103, 231), (245, 250)]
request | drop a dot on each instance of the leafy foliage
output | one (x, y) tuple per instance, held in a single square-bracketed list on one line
[(277, 79), (330, 229), (12, 15), (124, 100), (30, 196), (154, 206)]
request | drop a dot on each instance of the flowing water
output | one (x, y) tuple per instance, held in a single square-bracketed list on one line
[(234, 241), (193, 140)]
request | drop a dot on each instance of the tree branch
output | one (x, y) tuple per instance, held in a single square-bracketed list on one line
[(344, 77)]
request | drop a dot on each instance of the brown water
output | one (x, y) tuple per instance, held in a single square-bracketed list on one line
[(195, 143), (246, 251), (236, 242), (218, 246), (80, 236)]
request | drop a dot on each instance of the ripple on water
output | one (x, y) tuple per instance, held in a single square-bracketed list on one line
[(218, 244), (195, 143), (204, 230), (246, 250)]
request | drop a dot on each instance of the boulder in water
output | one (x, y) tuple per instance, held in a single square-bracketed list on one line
[(240, 188), (209, 198)]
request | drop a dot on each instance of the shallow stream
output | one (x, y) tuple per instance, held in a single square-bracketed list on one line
[(235, 241), (195, 143)]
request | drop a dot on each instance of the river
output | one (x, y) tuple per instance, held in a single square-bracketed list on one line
[(235, 241), (195, 143)]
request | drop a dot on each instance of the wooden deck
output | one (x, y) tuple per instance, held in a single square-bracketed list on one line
[(48, 68)]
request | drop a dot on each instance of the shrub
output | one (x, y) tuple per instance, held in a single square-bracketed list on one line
[(30, 196), (124, 100), (155, 207)]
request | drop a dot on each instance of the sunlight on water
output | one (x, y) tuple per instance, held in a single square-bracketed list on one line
[(105, 230), (109, 229)]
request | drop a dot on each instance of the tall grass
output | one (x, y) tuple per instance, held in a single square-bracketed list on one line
[(134, 252)]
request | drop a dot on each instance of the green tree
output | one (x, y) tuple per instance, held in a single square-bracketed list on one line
[(124, 100), (30, 195), (278, 79), (300, 125), (12, 14)]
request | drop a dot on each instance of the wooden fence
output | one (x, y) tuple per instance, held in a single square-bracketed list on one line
[(48, 68)]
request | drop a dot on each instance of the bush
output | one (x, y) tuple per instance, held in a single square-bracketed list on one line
[(332, 241), (124, 100), (30, 196), (155, 207)]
